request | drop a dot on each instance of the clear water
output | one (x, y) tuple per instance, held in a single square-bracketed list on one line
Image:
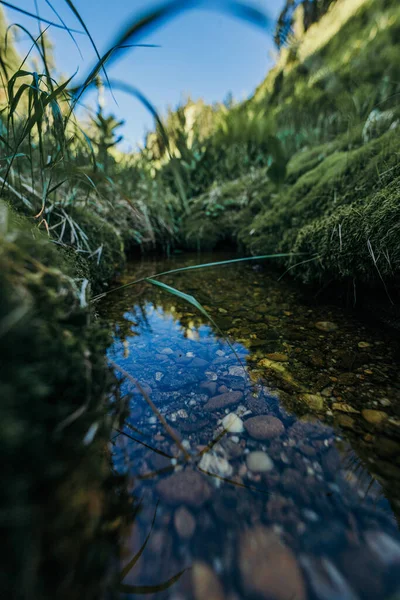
[(302, 499)]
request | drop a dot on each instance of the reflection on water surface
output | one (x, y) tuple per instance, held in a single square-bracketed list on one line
[(278, 473)]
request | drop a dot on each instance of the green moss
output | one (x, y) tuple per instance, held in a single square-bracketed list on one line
[(338, 74), (54, 384), (215, 217), (107, 256), (343, 178), (357, 241), (308, 158)]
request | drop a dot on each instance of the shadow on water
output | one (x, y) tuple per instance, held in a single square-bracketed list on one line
[(266, 467)]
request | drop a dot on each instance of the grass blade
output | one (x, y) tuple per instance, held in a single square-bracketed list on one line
[(192, 300), (191, 268), (187, 297), (33, 16), (134, 560)]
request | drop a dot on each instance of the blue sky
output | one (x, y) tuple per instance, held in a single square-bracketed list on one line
[(204, 53)]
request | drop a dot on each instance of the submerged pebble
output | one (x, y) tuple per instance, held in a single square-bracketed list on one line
[(268, 568), (232, 423), (223, 400), (259, 462), (375, 417), (184, 487), (264, 427), (327, 326), (184, 522), (211, 462)]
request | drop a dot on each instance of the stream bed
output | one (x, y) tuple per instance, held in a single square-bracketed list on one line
[(263, 448)]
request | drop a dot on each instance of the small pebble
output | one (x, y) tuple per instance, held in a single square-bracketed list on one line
[(259, 462), (232, 423), (363, 345), (327, 326)]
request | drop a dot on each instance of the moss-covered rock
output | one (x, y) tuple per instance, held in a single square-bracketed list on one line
[(55, 421)]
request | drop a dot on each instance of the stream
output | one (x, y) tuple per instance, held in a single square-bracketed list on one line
[(263, 449)]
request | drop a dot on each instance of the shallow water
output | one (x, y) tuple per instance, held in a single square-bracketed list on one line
[(302, 499)]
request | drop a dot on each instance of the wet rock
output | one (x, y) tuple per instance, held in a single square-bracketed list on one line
[(346, 422), (279, 370), (206, 585), (326, 326), (264, 427), (364, 345), (211, 375), (223, 400), (280, 509), (220, 360), (183, 360), (306, 449), (313, 401), (209, 386), (179, 414), (184, 523), (232, 423), (159, 543), (258, 406), (184, 487), (198, 363), (159, 462), (237, 371), (216, 462), (348, 379), (291, 481), (317, 361), (278, 357), (233, 450), (374, 417), (259, 462), (326, 581), (346, 408), (193, 424), (268, 568), (307, 430), (345, 359), (179, 379), (236, 384)]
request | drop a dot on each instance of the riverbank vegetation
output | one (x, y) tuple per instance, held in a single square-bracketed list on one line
[(308, 167)]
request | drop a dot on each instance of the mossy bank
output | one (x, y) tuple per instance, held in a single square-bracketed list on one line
[(59, 500), (337, 209)]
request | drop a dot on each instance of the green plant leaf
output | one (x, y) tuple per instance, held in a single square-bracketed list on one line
[(202, 266), (29, 14), (192, 300)]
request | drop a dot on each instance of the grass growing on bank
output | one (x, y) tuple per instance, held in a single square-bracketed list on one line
[(306, 167), (68, 214)]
